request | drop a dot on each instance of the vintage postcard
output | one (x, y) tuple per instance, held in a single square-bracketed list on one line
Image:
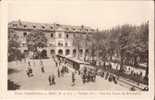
[(77, 50)]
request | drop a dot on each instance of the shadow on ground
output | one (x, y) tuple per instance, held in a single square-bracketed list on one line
[(12, 85)]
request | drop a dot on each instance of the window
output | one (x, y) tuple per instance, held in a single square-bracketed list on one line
[(43, 26), (60, 51), (24, 34), (51, 35), (74, 52), (52, 51), (66, 44), (67, 52), (67, 29), (34, 26), (59, 35), (14, 25), (60, 44), (67, 35), (25, 25), (81, 52), (51, 27), (57, 24)]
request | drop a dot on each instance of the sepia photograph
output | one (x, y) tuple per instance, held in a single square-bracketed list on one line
[(78, 46)]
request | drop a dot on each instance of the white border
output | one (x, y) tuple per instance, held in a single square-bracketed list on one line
[(75, 94)]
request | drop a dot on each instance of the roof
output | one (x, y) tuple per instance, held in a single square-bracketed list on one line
[(49, 27)]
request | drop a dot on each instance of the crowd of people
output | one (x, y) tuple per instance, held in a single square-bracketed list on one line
[(62, 67)]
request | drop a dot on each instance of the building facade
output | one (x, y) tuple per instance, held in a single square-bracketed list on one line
[(64, 40)]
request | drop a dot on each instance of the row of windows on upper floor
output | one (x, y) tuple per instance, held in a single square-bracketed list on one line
[(33, 26), (52, 35), (59, 44)]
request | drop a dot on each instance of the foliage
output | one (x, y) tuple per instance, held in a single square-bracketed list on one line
[(128, 43), (36, 39), (13, 45)]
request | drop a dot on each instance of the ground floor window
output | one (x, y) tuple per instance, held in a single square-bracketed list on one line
[(74, 52), (67, 52), (86, 52), (52, 51), (81, 52)]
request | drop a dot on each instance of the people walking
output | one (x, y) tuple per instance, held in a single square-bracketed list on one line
[(73, 78), (29, 64), (29, 72), (58, 72), (42, 69), (83, 78), (50, 80)]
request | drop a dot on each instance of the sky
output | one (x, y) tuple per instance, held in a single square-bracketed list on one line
[(99, 14)]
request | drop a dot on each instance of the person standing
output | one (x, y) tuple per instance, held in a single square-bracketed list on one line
[(53, 80), (30, 71), (50, 80), (73, 78), (58, 72), (29, 64), (42, 69), (83, 78)]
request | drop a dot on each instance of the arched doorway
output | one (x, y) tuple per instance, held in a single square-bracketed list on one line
[(60, 52), (67, 52), (52, 52), (74, 52)]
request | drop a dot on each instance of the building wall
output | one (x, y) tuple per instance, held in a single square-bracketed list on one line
[(58, 42)]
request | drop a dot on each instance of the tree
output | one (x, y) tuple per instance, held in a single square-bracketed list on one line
[(123, 43), (13, 45), (36, 39), (77, 42)]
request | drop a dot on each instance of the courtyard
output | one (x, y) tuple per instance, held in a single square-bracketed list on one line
[(39, 81)]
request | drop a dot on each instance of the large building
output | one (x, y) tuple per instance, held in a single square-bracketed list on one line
[(64, 40)]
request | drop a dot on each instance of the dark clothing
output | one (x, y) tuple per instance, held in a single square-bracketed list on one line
[(58, 73), (73, 78), (53, 80), (49, 79), (42, 69)]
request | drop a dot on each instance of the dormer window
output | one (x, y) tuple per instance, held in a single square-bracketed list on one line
[(14, 25), (25, 25), (51, 27), (43, 26), (34, 26), (57, 24)]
